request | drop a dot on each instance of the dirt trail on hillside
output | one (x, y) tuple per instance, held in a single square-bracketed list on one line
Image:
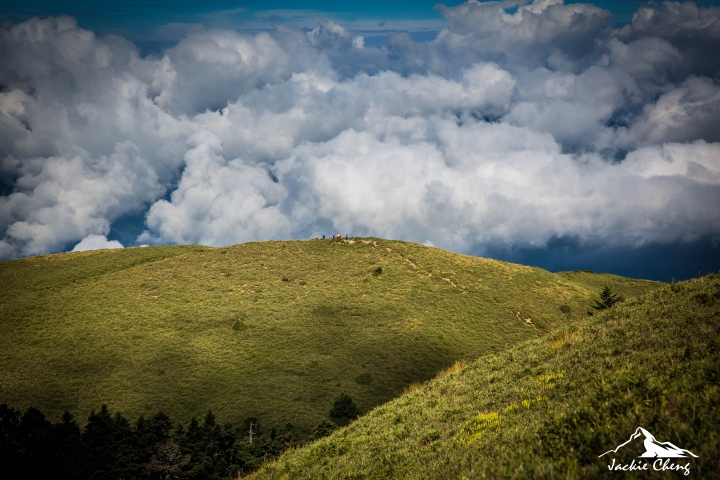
[(527, 321), (428, 273)]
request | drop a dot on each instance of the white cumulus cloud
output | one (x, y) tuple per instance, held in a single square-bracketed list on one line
[(506, 129), (96, 242)]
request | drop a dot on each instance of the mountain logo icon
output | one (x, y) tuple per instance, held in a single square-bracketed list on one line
[(653, 448)]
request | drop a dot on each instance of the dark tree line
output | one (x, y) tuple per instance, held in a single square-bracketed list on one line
[(111, 447)]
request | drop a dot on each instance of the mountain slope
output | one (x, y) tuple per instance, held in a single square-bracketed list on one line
[(549, 407), (275, 330)]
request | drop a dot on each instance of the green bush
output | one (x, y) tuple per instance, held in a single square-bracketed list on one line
[(323, 429), (702, 297), (344, 409)]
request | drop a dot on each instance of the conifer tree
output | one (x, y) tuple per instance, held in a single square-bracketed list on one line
[(70, 450), (607, 300), (36, 442), (98, 438), (169, 460)]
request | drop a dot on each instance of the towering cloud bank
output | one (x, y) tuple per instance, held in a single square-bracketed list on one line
[(506, 129)]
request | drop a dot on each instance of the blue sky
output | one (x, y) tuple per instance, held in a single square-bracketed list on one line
[(565, 137), (158, 24)]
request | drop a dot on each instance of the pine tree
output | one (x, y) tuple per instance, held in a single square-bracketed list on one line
[(36, 441), (70, 450), (607, 300), (169, 460), (98, 439)]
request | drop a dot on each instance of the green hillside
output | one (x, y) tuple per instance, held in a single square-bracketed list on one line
[(547, 408), (274, 330)]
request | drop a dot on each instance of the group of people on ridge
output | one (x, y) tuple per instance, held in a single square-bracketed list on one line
[(335, 238)]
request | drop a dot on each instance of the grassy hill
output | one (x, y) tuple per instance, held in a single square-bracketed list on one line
[(275, 330), (548, 407)]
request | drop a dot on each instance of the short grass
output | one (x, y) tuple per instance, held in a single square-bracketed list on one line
[(548, 407), (275, 330)]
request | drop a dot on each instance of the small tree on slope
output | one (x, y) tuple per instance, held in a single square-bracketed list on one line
[(607, 300), (344, 410)]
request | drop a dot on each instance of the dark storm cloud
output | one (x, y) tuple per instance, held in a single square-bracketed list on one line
[(506, 129), (694, 31)]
